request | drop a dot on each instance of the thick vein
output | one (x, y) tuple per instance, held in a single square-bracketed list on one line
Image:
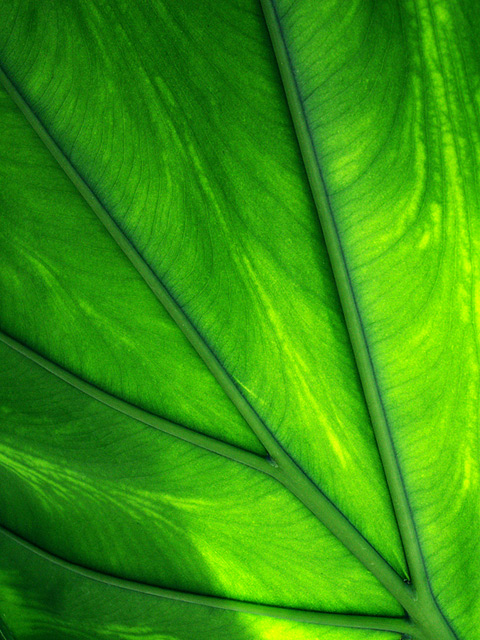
[(346, 292), (141, 415), (377, 623), (289, 473), (356, 330)]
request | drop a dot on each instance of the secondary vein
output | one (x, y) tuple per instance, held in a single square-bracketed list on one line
[(354, 325), (346, 293), (181, 432), (377, 623)]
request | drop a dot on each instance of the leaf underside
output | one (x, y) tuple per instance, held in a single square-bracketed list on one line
[(239, 340)]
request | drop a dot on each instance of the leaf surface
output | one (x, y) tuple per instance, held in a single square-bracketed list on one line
[(215, 419)]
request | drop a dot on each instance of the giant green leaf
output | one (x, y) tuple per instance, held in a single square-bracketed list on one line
[(240, 350)]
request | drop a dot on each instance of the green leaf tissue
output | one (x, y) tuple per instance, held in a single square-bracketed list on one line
[(240, 320)]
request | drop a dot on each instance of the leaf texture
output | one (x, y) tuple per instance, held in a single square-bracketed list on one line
[(240, 340)]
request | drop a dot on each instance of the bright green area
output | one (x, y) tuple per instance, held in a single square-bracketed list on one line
[(172, 317)]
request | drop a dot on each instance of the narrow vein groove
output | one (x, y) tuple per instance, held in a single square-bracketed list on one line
[(145, 417), (4, 632), (409, 536), (289, 472), (398, 625)]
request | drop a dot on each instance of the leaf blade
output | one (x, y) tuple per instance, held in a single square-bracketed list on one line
[(291, 475), (279, 357), (260, 274)]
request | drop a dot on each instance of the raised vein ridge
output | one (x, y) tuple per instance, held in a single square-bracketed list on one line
[(379, 623), (219, 447), (428, 609)]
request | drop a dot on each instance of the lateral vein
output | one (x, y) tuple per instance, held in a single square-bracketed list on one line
[(181, 432), (356, 331), (377, 623)]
